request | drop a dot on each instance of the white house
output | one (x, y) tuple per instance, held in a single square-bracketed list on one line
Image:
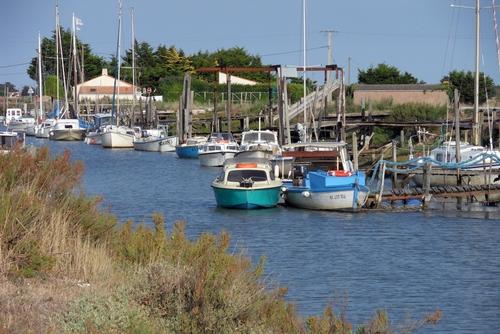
[(102, 86)]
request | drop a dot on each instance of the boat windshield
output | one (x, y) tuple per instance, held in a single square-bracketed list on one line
[(268, 137), (245, 174), (250, 137)]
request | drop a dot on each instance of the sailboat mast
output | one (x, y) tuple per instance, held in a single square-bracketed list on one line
[(57, 58), (304, 45), (476, 129), (75, 75), (133, 66), (119, 58), (117, 67), (40, 78)]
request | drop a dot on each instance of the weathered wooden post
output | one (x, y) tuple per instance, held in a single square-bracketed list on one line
[(246, 125), (229, 101), (395, 159), (281, 120), (499, 135), (427, 183), (381, 187), (215, 115), (355, 151), (402, 137)]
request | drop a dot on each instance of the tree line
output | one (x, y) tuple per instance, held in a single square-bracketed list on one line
[(163, 67)]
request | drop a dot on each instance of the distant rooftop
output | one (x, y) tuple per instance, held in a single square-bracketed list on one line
[(418, 87)]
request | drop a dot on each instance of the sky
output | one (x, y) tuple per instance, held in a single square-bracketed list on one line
[(427, 38)]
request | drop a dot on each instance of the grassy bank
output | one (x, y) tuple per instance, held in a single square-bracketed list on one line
[(67, 267)]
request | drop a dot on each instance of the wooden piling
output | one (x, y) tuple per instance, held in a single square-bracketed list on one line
[(427, 183), (355, 151), (395, 159), (229, 101), (381, 187), (456, 106)]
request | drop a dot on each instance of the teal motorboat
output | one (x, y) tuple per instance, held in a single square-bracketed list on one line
[(247, 184)]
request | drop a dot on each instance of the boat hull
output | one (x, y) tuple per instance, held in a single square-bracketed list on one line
[(347, 199), (113, 139), (156, 145), (67, 134), (93, 138), (255, 154), (247, 198), (187, 151), (215, 159)]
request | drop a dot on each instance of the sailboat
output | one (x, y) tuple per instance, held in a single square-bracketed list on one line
[(476, 164), (336, 188), (66, 128), (116, 135)]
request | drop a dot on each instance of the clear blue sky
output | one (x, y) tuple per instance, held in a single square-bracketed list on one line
[(424, 37)]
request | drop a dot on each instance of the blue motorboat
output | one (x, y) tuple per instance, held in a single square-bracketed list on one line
[(190, 149)]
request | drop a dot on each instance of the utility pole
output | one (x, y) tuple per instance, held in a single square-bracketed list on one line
[(330, 33)]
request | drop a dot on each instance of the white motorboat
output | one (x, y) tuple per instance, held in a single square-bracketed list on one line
[(67, 129), (15, 121), (94, 137), (219, 148), (119, 136), (259, 144), (156, 141)]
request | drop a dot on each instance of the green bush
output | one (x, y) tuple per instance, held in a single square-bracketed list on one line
[(417, 112)]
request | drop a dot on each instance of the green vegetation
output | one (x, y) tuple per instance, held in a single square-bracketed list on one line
[(385, 74), (67, 267), (93, 63), (464, 82)]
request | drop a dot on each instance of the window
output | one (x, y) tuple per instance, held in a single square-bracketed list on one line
[(245, 174), (249, 137), (267, 137)]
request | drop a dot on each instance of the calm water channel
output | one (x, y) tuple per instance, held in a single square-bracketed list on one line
[(406, 263)]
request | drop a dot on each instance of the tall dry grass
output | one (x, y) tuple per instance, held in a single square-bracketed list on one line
[(45, 226), (67, 267)]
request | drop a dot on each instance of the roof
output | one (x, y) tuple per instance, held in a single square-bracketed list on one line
[(419, 87), (105, 90)]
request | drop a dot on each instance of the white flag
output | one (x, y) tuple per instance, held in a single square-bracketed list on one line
[(78, 23)]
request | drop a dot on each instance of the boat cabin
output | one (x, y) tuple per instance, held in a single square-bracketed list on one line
[(13, 114), (246, 174), (446, 153), (8, 140), (253, 136), (224, 137)]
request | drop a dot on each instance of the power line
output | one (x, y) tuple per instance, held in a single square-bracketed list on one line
[(14, 65), (295, 51)]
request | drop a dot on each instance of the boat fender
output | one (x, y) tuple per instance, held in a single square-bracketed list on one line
[(306, 194), (284, 189), (339, 173)]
